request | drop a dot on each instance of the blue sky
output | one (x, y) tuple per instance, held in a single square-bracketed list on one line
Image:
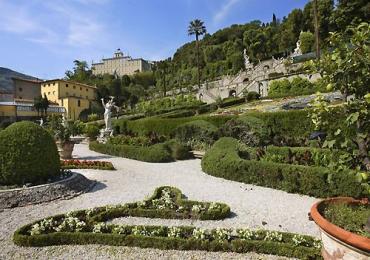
[(43, 37)]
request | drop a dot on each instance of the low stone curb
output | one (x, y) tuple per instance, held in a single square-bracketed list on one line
[(63, 189)]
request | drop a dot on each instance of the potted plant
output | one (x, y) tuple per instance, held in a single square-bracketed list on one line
[(62, 134), (344, 227)]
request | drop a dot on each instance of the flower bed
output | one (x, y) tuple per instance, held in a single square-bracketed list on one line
[(84, 164), (89, 227)]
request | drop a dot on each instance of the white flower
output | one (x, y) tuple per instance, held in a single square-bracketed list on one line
[(299, 240), (273, 236), (197, 208), (222, 234), (99, 227), (246, 234), (121, 229), (199, 233), (214, 206), (174, 232)]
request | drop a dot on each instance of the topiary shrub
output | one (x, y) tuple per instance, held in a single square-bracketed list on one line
[(28, 154), (249, 130), (199, 130)]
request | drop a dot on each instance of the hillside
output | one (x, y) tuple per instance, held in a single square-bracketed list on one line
[(6, 83), (221, 53)]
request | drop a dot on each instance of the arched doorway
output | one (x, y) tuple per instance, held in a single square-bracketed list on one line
[(232, 93)]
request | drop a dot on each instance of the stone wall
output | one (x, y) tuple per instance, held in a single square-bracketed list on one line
[(64, 189)]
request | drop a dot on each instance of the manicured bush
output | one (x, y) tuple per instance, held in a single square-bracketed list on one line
[(179, 113), (223, 160), (130, 140), (92, 131), (28, 154), (253, 95), (199, 130), (249, 130), (92, 117), (154, 153)]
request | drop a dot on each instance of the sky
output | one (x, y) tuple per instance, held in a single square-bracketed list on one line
[(42, 38)]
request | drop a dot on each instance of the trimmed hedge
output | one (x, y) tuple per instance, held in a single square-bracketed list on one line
[(156, 153), (223, 160), (85, 227), (199, 130), (28, 154), (85, 164), (232, 101)]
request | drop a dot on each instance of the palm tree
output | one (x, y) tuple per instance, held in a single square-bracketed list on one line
[(197, 28)]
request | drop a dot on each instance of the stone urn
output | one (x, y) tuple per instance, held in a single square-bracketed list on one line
[(337, 242), (65, 149)]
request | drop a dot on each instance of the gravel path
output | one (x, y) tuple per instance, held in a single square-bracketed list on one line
[(252, 207)]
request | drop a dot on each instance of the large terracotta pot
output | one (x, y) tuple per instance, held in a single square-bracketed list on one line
[(337, 242), (65, 149)]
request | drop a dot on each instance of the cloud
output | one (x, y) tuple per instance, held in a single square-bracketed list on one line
[(224, 11)]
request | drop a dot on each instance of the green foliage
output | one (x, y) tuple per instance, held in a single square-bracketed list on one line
[(161, 152), (307, 41), (351, 217), (92, 131), (252, 95), (249, 130), (298, 86), (28, 154), (346, 69), (231, 101), (85, 164), (130, 140), (223, 160), (199, 130), (92, 117)]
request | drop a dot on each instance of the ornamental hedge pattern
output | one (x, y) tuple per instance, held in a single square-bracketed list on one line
[(90, 227)]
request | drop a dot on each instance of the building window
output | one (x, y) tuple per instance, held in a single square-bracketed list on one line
[(48, 93), (87, 89), (66, 85), (80, 88), (79, 103), (20, 89)]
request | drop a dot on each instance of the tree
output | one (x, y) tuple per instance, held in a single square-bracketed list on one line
[(347, 69), (37, 103), (45, 104), (197, 28), (350, 12), (307, 41)]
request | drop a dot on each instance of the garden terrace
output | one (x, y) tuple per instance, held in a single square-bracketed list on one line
[(223, 160)]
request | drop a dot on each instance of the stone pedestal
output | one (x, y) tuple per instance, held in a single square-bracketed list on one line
[(104, 135)]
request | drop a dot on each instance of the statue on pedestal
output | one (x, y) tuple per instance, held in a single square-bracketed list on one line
[(107, 131), (108, 113), (297, 50)]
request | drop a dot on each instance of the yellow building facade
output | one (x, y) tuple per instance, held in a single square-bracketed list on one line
[(73, 96)]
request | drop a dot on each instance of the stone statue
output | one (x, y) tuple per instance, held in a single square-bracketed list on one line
[(247, 62), (297, 50), (108, 113), (41, 121)]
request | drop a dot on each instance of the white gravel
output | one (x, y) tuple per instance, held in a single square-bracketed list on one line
[(133, 181)]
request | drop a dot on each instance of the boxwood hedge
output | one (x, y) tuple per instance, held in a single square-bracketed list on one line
[(223, 160), (162, 152)]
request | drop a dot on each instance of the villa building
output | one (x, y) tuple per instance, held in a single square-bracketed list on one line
[(72, 96), (120, 65)]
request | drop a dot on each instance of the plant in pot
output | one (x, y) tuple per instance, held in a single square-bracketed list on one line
[(62, 134), (344, 222)]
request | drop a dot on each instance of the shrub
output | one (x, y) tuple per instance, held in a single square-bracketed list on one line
[(298, 86), (253, 95), (199, 130), (130, 140), (249, 130), (179, 113), (92, 117), (92, 131), (28, 154), (154, 153), (178, 150), (231, 101), (223, 160)]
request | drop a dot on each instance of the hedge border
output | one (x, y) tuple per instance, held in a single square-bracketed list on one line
[(85, 164), (223, 160), (166, 243), (133, 210)]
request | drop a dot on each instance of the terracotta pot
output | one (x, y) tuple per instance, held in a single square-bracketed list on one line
[(337, 242), (65, 150)]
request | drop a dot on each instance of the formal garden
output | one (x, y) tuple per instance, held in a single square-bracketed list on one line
[(175, 175)]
